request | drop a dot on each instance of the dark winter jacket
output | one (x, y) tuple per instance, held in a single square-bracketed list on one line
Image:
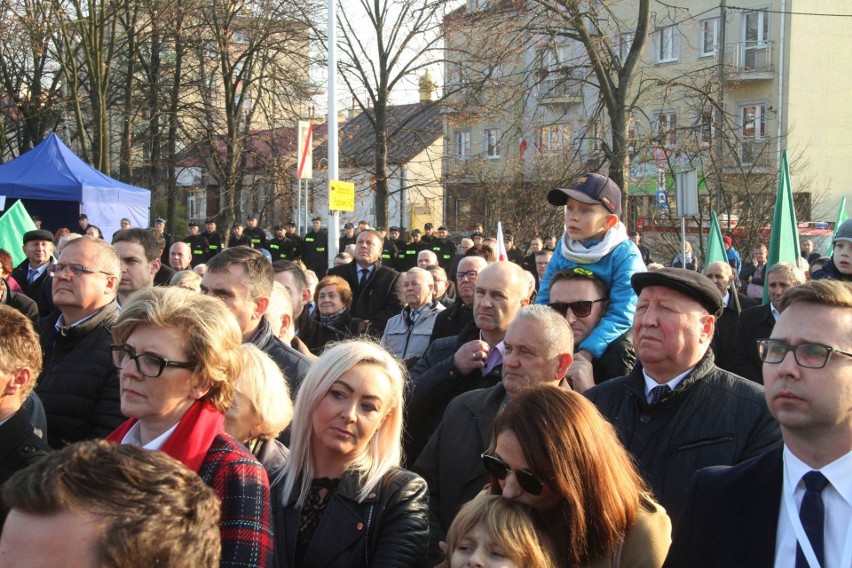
[(390, 528), (378, 301), (79, 383), (830, 272), (318, 335), (713, 418), (452, 320), (18, 301), (19, 447), (618, 359), (293, 364)]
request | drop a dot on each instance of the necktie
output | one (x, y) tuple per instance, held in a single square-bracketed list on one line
[(812, 514), (32, 275), (363, 281), (659, 393)]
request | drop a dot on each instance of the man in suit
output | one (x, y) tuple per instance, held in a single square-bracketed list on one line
[(757, 322), (374, 286), (538, 347), (783, 506), (33, 275), (722, 275)]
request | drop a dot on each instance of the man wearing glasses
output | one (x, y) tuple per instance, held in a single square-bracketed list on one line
[(79, 383), (677, 412), (452, 320), (582, 299), (791, 506)]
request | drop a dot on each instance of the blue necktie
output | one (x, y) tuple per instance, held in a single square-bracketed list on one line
[(32, 275), (658, 394), (363, 281), (812, 515)]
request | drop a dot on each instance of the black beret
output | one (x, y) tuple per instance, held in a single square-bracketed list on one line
[(38, 235), (687, 282)]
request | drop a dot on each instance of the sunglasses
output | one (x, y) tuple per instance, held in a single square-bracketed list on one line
[(580, 309), (529, 482)]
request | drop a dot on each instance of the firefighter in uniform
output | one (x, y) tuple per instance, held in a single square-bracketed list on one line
[(444, 249), (238, 238), (347, 238), (197, 244), (280, 247), (408, 260), (214, 239), (256, 235), (315, 251), (390, 254)]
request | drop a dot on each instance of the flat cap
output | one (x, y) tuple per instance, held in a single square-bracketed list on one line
[(687, 282), (38, 235)]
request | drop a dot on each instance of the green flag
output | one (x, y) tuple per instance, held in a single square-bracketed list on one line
[(841, 216), (784, 238), (715, 245), (13, 224)]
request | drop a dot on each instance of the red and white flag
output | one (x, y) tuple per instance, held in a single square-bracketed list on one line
[(501, 245)]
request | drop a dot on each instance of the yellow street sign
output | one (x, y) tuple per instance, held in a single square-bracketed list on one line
[(341, 196)]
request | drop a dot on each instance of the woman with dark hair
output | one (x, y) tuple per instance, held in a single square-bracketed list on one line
[(333, 298), (552, 450), (6, 271)]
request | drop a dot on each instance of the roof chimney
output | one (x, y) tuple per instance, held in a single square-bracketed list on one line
[(427, 87)]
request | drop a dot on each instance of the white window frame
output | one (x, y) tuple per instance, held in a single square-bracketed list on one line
[(461, 149), (666, 44), (553, 139), (669, 119), (762, 27), (711, 25), (491, 143), (758, 136)]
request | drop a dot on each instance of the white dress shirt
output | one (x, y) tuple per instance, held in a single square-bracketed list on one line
[(837, 498), (134, 437)]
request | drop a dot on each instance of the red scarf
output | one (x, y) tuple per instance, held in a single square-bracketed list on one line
[(192, 438)]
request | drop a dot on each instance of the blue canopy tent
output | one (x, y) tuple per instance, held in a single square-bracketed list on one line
[(57, 185)]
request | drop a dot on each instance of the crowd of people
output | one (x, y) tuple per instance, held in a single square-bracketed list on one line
[(237, 402)]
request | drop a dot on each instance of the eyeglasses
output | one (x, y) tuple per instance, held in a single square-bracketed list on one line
[(528, 481), (75, 269), (808, 355), (148, 365), (581, 309), (472, 274)]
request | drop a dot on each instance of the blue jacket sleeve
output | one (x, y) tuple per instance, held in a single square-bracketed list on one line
[(557, 263)]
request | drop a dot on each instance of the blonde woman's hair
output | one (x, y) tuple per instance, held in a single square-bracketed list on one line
[(186, 279), (510, 525), (211, 333), (384, 450), (264, 387)]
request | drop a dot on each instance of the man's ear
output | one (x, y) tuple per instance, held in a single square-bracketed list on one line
[(19, 380), (565, 361), (306, 296), (708, 326), (156, 264), (260, 306)]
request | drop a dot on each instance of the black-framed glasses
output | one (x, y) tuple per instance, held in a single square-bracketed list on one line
[(528, 481), (472, 274), (147, 364), (581, 309), (75, 269), (808, 355)]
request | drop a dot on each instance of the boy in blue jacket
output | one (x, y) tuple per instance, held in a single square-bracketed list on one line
[(595, 240)]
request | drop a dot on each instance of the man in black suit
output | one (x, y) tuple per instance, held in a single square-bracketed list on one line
[(757, 322), (33, 274), (783, 506), (374, 286), (722, 275)]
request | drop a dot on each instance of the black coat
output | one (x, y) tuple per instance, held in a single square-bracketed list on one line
[(712, 418), (754, 323), (435, 381), (452, 320), (731, 516), (318, 335), (20, 302), (79, 383), (830, 272), (390, 528), (39, 291), (726, 331), (618, 359), (315, 251), (378, 301), (19, 447), (293, 364)]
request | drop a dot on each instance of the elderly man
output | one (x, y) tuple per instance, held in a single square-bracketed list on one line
[(451, 321), (757, 322), (79, 383), (33, 274), (140, 260), (677, 412), (722, 275), (242, 278), (180, 256), (373, 285), (20, 363), (582, 299), (407, 334), (472, 359), (444, 291), (791, 506), (538, 347), (426, 258)]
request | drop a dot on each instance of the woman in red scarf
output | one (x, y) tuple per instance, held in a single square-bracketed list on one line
[(178, 354)]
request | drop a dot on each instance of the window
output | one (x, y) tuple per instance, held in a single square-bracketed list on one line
[(665, 128), (709, 37), (755, 48), (492, 142), (462, 144), (753, 118), (666, 40), (553, 138), (707, 126)]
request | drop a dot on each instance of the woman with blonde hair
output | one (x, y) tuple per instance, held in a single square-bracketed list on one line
[(494, 532), (344, 500), (552, 450), (186, 279), (261, 410), (178, 355)]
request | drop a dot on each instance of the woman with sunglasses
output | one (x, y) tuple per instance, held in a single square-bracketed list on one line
[(178, 355), (552, 450)]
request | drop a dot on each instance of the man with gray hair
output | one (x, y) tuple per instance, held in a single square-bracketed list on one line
[(407, 334), (452, 320), (426, 258), (757, 322), (79, 383), (538, 350)]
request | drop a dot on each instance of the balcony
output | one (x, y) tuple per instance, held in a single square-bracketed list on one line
[(750, 61), (559, 88)]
